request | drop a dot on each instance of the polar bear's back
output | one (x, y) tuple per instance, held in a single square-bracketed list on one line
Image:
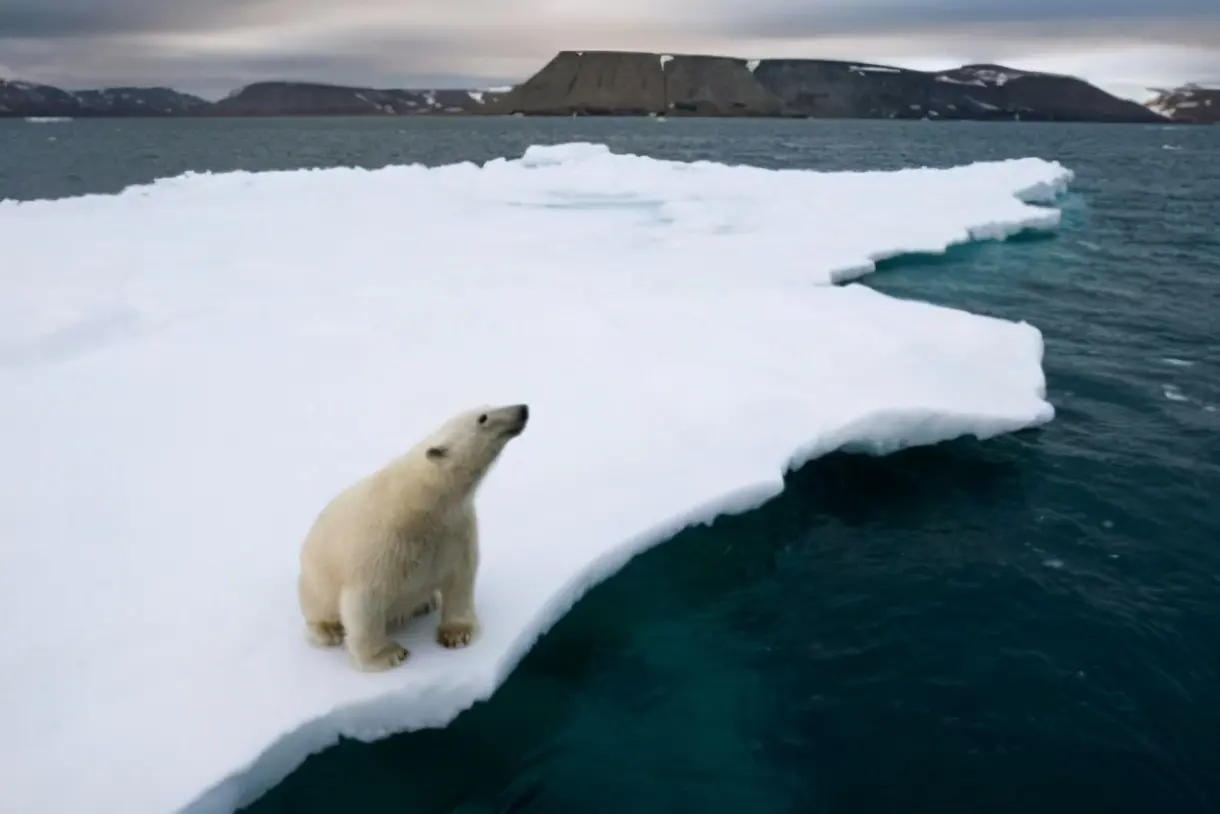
[(354, 529)]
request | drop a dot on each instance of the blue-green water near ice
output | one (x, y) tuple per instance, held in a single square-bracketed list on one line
[(1030, 624)]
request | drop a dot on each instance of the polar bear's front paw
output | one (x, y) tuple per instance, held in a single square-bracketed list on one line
[(390, 655), (455, 634)]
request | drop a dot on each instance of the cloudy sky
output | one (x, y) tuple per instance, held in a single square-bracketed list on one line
[(212, 46)]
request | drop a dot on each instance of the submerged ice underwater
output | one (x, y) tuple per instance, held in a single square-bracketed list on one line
[(196, 413)]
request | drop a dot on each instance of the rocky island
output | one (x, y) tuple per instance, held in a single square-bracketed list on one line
[(618, 83), (1189, 103), (30, 100), (313, 99), (623, 83)]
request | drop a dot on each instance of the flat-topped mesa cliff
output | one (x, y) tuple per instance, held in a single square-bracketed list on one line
[(30, 99), (1190, 103), (624, 83), (632, 83), (320, 99), (830, 89)]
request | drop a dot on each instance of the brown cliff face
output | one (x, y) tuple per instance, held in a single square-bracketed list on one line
[(618, 83), (592, 84), (716, 86), (828, 89)]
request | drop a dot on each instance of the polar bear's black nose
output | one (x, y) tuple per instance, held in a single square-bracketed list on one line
[(523, 411)]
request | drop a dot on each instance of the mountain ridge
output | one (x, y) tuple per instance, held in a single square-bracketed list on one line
[(634, 83), (32, 99)]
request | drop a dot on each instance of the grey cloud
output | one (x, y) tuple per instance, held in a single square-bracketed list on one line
[(421, 43), (387, 59), (54, 19), (802, 18), (36, 19), (787, 19)]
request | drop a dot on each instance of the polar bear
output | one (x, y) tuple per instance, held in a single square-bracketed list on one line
[(397, 543)]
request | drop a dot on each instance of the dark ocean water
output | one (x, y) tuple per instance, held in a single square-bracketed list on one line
[(1030, 624)]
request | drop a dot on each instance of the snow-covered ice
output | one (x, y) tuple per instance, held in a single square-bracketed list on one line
[(189, 370)]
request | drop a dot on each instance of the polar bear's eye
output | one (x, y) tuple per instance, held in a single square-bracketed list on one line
[(483, 418)]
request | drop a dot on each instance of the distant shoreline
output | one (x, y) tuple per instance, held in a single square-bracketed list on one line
[(635, 84), (520, 116)]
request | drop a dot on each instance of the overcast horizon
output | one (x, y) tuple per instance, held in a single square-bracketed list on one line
[(1123, 46)]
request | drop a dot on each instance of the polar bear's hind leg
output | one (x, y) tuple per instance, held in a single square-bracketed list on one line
[(324, 634)]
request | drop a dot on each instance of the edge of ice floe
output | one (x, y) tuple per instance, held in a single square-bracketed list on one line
[(1040, 194), (881, 433)]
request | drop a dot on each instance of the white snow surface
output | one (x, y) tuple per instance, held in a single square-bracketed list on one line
[(190, 369), (949, 80), (994, 77)]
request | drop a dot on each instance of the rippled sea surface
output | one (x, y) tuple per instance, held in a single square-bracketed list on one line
[(1030, 624)]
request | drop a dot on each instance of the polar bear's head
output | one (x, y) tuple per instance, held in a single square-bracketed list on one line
[(466, 446)]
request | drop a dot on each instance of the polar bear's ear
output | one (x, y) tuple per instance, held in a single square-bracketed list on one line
[(437, 453)]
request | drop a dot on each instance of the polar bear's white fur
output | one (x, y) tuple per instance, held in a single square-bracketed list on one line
[(395, 543)]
